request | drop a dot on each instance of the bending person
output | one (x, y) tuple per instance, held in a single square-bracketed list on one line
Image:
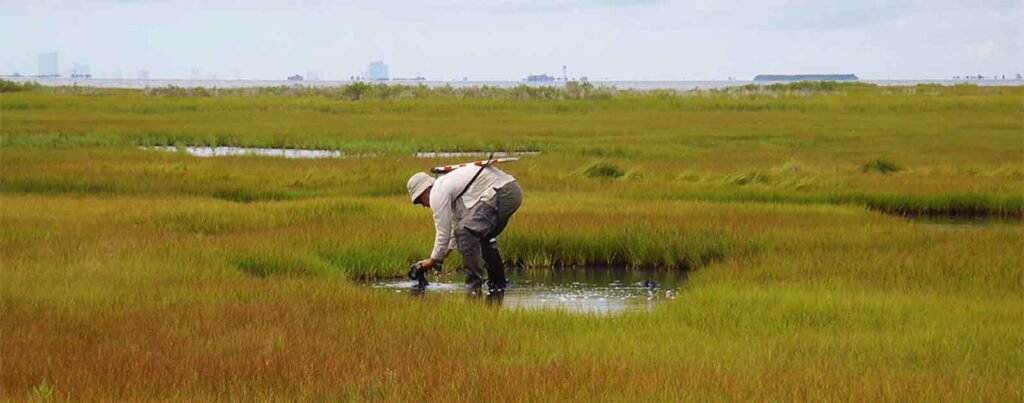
[(471, 206)]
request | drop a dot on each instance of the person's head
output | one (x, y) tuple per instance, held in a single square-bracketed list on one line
[(419, 186)]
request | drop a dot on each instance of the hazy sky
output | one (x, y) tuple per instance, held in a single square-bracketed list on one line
[(508, 39)]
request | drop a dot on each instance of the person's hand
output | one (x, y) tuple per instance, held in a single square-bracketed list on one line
[(428, 263)]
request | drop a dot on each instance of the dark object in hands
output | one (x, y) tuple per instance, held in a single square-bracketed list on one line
[(649, 284), (418, 273)]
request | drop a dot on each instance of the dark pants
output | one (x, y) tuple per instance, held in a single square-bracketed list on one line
[(477, 232)]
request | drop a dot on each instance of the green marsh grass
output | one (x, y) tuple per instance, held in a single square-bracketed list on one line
[(881, 166), (601, 170), (135, 274)]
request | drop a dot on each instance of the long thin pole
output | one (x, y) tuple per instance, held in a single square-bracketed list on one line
[(443, 169)]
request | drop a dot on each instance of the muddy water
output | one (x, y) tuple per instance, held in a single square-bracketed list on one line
[(592, 290)]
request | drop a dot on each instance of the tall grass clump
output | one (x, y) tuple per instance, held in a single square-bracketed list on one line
[(43, 392), (633, 247), (378, 256), (14, 86), (264, 264), (881, 166), (601, 169), (749, 178)]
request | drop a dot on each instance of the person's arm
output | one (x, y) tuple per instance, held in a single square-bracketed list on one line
[(441, 204), (430, 262)]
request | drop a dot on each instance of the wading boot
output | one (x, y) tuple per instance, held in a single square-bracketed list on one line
[(496, 279), (498, 287), (473, 283)]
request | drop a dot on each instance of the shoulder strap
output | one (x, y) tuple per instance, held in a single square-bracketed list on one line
[(482, 167)]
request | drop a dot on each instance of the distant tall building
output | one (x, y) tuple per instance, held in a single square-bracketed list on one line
[(377, 71), (48, 65), (143, 75)]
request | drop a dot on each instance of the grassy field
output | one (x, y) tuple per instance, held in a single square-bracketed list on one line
[(136, 274)]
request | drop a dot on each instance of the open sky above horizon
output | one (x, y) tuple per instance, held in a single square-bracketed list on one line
[(509, 39)]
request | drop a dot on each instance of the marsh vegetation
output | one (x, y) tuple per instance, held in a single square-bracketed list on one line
[(129, 273)]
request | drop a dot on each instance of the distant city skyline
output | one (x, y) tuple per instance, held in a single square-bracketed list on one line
[(510, 39)]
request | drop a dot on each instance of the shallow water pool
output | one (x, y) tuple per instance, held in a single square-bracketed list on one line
[(590, 290), (224, 151)]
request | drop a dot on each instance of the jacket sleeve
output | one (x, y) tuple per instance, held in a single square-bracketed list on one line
[(441, 204)]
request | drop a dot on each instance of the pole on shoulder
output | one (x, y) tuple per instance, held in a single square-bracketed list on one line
[(443, 169)]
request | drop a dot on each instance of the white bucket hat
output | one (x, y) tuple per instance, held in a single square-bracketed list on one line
[(418, 183)]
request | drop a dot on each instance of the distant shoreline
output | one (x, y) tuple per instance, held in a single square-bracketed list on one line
[(623, 84)]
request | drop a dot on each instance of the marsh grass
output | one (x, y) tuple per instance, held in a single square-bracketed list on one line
[(248, 195), (601, 169), (360, 91), (250, 303), (264, 265), (796, 192), (12, 86), (749, 178), (881, 166), (133, 274)]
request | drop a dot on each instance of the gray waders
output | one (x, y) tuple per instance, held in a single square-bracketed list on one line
[(477, 231)]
